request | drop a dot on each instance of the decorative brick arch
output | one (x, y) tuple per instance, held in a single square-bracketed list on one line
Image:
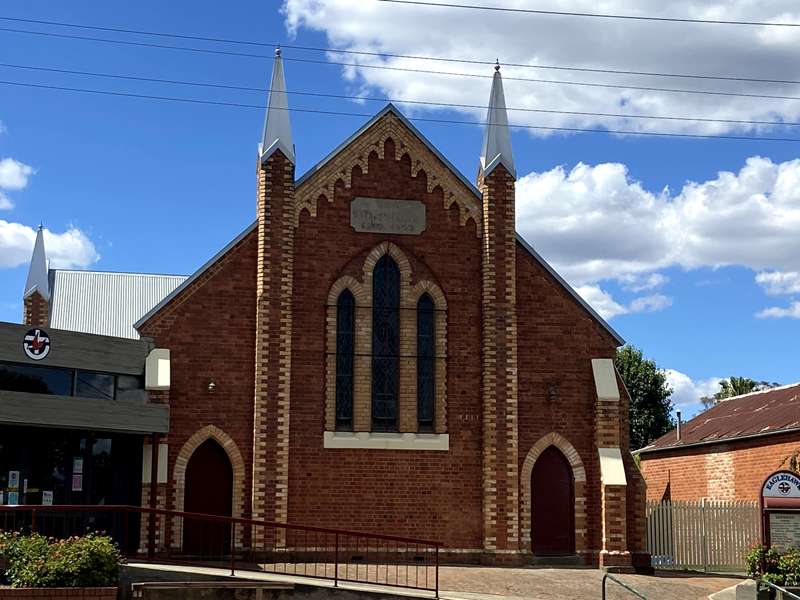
[(409, 296), (209, 432), (578, 472)]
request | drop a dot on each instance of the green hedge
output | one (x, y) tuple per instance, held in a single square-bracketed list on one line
[(37, 561)]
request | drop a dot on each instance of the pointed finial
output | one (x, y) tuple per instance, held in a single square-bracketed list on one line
[(497, 65), (41, 225), (277, 126), (38, 280), (497, 137)]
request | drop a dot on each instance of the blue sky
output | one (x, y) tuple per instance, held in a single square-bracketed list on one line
[(155, 186)]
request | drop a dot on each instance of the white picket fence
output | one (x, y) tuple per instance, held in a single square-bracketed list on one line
[(707, 535)]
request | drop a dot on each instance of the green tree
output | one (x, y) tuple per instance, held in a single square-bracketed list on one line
[(735, 386), (650, 396)]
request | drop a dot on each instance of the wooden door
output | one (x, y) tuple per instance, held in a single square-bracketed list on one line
[(209, 490), (552, 505)]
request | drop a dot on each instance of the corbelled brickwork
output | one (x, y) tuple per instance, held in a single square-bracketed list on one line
[(35, 310), (733, 470)]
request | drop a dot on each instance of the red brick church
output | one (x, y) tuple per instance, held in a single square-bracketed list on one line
[(381, 351)]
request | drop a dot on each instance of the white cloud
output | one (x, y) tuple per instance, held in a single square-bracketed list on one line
[(14, 174), (641, 283), (777, 312), (687, 392), (601, 301), (69, 249), (761, 52), (597, 222), (652, 303), (779, 282), (608, 308), (5, 202)]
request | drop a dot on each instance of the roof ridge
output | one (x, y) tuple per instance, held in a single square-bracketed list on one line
[(96, 272)]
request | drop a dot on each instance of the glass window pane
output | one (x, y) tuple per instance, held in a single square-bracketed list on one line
[(345, 347), (385, 344), (94, 385), (130, 388), (426, 363), (35, 379)]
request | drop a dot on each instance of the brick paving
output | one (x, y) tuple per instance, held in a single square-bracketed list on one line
[(578, 584)]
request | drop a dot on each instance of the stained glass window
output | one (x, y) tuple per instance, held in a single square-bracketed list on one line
[(345, 346), (385, 344), (426, 363)]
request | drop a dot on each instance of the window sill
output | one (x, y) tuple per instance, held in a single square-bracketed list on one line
[(387, 441)]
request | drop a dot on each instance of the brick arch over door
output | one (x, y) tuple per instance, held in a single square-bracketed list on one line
[(209, 432), (578, 472)]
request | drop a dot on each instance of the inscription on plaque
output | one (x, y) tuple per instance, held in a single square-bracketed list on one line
[(784, 531), (380, 215)]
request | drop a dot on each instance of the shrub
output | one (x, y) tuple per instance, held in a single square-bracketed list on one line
[(36, 561), (762, 561)]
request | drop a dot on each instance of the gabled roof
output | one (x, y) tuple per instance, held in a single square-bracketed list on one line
[(538, 257), (105, 303), (389, 108), (187, 281), (758, 414)]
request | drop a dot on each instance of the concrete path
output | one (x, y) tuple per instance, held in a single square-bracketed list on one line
[(491, 583)]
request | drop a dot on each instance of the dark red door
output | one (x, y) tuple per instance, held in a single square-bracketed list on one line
[(209, 490), (553, 505)]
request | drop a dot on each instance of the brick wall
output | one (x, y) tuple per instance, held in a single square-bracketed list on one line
[(394, 492), (727, 471), (35, 310), (209, 328)]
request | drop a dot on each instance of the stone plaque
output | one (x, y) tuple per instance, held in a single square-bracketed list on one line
[(380, 215), (784, 531)]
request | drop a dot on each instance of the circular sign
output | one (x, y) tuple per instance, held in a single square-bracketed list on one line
[(36, 344)]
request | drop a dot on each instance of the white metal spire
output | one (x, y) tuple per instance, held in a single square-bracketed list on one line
[(277, 126), (37, 272), (497, 137)]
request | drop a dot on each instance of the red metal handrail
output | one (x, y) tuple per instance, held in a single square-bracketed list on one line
[(334, 541)]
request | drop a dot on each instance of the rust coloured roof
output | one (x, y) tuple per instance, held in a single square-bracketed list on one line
[(749, 415)]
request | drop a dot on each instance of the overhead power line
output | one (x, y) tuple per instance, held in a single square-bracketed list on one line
[(564, 13), (393, 100), (391, 54), (415, 119), (409, 69)]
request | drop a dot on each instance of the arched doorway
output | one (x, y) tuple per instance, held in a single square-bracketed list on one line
[(209, 490), (552, 505)]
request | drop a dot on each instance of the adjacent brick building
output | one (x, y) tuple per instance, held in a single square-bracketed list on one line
[(381, 351), (726, 452)]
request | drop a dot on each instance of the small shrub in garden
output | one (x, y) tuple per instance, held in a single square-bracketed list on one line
[(36, 561), (762, 561), (789, 567)]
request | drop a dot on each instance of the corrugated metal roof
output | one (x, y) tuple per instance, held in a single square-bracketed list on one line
[(105, 303), (756, 414)]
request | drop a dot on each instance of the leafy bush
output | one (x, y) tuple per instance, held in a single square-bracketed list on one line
[(36, 561), (769, 565)]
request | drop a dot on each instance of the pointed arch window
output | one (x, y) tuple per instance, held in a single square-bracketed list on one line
[(345, 352), (426, 363), (385, 344)]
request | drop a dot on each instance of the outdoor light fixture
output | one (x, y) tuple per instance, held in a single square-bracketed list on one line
[(211, 386)]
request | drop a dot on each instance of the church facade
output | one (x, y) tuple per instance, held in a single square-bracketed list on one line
[(381, 351)]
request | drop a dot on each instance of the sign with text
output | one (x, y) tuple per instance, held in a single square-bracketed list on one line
[(782, 484), (784, 531), (381, 215)]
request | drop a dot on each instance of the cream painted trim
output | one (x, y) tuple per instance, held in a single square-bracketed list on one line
[(147, 458), (612, 469), (605, 379), (387, 441)]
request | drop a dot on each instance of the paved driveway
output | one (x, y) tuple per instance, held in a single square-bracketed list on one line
[(475, 583)]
